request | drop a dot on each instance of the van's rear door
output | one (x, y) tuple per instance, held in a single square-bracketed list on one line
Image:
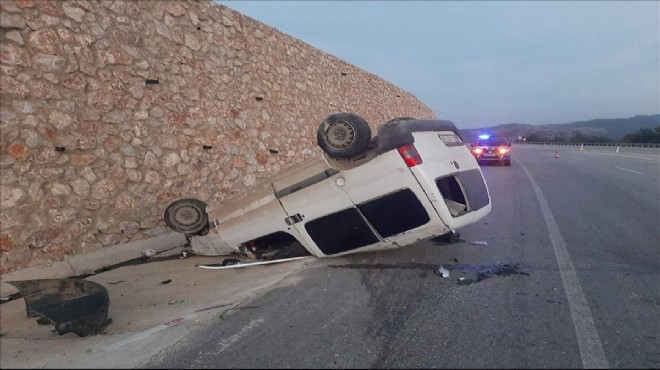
[(451, 178)]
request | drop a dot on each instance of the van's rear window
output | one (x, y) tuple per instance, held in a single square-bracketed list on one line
[(464, 192), (493, 141)]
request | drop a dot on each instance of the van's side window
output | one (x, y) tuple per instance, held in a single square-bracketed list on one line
[(340, 232), (395, 213)]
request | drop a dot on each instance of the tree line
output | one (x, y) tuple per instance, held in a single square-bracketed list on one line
[(644, 135)]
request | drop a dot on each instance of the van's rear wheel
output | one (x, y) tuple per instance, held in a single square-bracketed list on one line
[(187, 216), (344, 135)]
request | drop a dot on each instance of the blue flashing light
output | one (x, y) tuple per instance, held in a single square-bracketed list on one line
[(484, 136)]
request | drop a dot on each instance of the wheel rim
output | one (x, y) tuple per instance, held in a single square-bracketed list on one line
[(186, 216), (340, 135)]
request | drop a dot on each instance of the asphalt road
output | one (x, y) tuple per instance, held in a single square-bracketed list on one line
[(583, 230)]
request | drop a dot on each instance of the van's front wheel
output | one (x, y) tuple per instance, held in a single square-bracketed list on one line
[(187, 216), (344, 135)]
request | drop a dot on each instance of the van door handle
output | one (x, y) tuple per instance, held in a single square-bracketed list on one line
[(293, 219)]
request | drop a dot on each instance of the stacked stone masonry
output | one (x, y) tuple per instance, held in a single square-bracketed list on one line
[(110, 110)]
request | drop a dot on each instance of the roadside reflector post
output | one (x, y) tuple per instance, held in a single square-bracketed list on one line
[(617, 148), (581, 146), (556, 154)]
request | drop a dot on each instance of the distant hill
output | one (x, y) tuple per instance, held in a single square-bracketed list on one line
[(614, 128)]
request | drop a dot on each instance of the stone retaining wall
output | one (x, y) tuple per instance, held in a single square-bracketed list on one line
[(110, 110)]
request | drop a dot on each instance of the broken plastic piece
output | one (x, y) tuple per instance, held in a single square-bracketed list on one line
[(478, 243), (442, 272), (466, 281), (73, 305), (149, 252)]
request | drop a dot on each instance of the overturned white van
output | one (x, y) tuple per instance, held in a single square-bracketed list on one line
[(415, 180)]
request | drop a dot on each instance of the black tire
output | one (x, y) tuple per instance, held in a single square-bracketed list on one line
[(187, 216), (344, 135)]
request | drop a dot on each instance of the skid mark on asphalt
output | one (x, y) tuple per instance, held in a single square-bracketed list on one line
[(591, 349)]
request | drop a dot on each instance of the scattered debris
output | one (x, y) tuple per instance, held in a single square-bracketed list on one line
[(230, 261), (490, 271), (455, 259), (166, 281), (149, 252), (115, 282), (134, 262), (73, 305), (442, 272), (449, 238), (43, 321), (184, 254), (478, 243)]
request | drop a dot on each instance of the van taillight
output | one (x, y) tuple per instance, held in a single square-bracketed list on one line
[(410, 155)]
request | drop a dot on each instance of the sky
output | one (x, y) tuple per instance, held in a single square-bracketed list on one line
[(485, 63)]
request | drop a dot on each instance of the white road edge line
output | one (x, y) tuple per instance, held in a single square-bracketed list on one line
[(591, 349), (625, 169), (626, 155)]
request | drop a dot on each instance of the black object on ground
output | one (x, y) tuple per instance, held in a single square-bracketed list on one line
[(449, 238), (73, 305), (490, 271), (230, 261)]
